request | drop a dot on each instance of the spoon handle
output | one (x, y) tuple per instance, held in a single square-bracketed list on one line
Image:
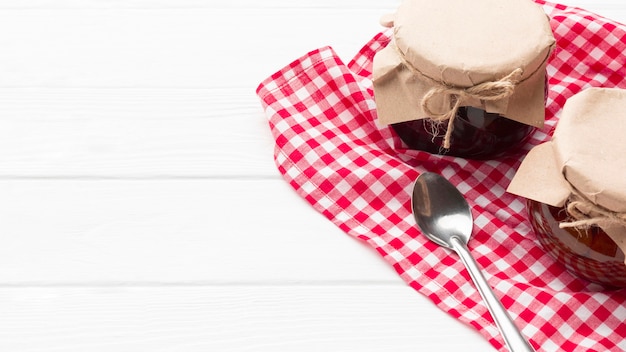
[(513, 338)]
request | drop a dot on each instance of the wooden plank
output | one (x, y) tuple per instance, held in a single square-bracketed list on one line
[(244, 318), (172, 4), (240, 4), (173, 48), (78, 132), (173, 231)]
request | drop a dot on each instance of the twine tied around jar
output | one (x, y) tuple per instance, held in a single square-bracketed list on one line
[(486, 91), (585, 213)]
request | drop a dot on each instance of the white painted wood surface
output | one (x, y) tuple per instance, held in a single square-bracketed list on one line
[(131, 143)]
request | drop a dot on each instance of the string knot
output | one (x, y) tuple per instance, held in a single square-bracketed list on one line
[(585, 213), (486, 91)]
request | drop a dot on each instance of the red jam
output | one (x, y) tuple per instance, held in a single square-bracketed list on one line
[(588, 253), (476, 134)]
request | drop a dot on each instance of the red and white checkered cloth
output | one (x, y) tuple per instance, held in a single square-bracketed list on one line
[(359, 175)]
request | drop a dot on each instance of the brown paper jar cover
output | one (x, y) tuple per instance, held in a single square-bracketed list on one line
[(443, 52), (580, 174)]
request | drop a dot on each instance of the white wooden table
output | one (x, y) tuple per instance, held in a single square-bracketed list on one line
[(140, 209)]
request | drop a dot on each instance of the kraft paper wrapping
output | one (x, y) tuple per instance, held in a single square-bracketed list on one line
[(460, 44), (587, 154)]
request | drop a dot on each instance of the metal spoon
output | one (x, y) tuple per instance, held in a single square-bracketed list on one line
[(443, 215)]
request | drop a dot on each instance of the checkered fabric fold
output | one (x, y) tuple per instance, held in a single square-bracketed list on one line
[(359, 174)]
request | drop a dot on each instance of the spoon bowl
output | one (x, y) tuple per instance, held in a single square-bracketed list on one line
[(444, 216), (440, 210)]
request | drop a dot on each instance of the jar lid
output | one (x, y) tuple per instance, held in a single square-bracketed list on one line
[(443, 49), (584, 162)]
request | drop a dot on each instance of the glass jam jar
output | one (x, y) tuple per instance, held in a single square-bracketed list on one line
[(486, 77), (476, 134), (588, 253), (582, 166)]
